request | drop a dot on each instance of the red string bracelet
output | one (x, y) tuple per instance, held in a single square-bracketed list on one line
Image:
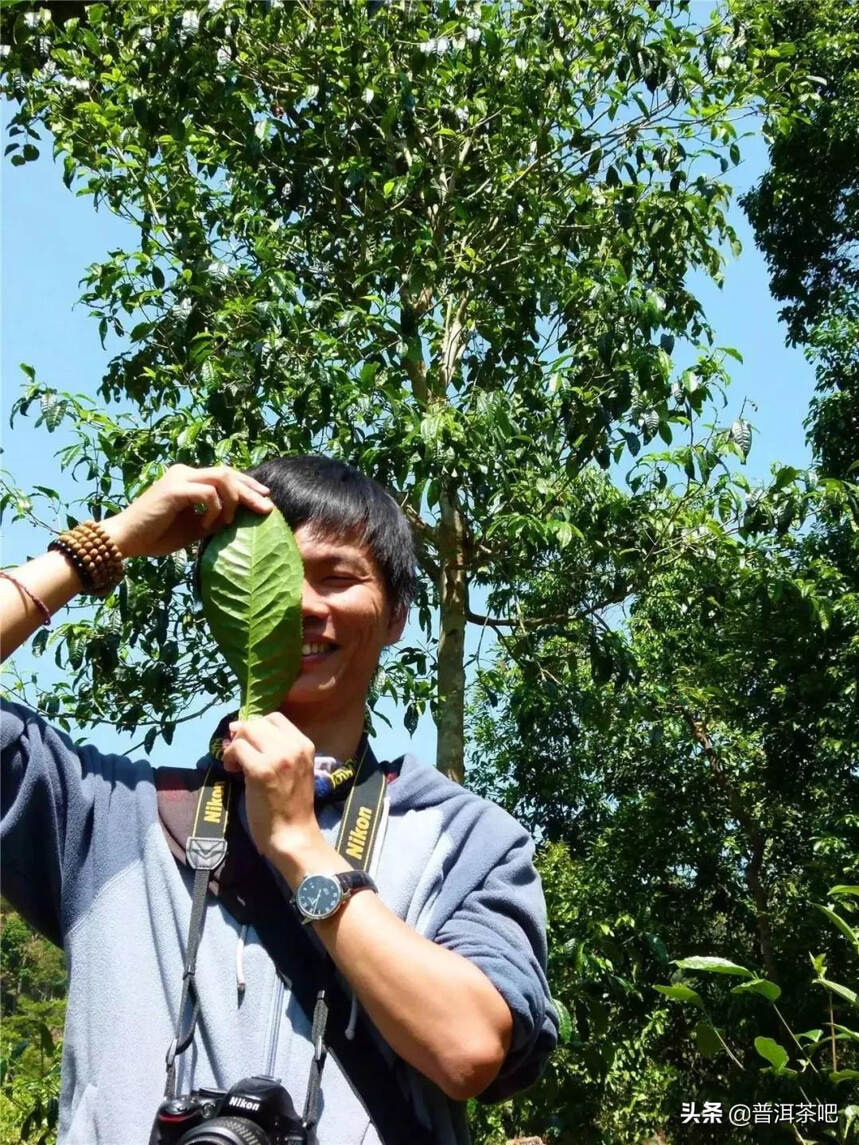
[(40, 604)]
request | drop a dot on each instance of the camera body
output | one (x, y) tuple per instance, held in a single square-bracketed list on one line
[(256, 1110)]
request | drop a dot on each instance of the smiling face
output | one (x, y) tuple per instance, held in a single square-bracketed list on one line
[(347, 622)]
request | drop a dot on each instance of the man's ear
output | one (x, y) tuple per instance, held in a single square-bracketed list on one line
[(396, 625)]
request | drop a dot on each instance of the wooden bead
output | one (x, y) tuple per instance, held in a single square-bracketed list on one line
[(95, 557)]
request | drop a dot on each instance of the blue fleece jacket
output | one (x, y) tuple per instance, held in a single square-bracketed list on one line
[(85, 860)]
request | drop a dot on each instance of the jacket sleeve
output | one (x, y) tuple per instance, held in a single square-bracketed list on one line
[(498, 922), (69, 818)]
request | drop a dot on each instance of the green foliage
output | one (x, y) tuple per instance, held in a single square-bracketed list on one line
[(607, 1082), (29, 1093), (833, 422), (32, 993), (451, 245), (250, 583), (805, 209), (693, 755), (815, 1063)]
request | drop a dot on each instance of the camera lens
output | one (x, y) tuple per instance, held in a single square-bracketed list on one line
[(225, 1131)]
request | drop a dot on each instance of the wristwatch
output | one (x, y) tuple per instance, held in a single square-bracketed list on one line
[(321, 896)]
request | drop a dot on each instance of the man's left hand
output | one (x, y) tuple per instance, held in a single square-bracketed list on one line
[(277, 762)]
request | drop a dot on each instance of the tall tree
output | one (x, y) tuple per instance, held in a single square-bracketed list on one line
[(691, 759), (805, 208), (692, 765), (450, 244)]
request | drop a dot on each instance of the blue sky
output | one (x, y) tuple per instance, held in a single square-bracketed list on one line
[(50, 236)]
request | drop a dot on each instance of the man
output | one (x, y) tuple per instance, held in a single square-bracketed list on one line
[(448, 958)]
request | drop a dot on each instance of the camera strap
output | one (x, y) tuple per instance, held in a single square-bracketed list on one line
[(225, 861), (205, 850)]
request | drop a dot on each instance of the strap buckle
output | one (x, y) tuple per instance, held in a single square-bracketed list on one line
[(205, 854)]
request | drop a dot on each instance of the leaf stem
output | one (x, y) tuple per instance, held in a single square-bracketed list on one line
[(725, 1045), (795, 1039), (832, 1034)]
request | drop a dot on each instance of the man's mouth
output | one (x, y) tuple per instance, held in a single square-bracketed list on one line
[(316, 648)]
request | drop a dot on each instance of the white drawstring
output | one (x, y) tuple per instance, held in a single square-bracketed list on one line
[(353, 1017), (240, 966)]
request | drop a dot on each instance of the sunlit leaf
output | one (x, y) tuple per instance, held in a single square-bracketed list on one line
[(772, 1052), (680, 993), (565, 1022), (711, 965), (849, 933), (762, 986), (250, 583)]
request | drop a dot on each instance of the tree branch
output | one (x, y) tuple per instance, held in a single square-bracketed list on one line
[(538, 621)]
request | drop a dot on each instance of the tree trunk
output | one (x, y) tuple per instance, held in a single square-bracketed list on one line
[(452, 580), (755, 838), (453, 609)]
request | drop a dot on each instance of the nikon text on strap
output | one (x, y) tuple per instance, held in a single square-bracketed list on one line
[(364, 813), (246, 886)]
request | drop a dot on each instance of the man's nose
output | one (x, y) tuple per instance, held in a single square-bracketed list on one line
[(312, 602)]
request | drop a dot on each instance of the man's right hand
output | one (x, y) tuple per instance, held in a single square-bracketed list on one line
[(183, 507)]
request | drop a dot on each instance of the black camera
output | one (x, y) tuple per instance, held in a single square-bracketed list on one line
[(256, 1111)]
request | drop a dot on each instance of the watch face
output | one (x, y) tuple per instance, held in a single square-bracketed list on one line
[(318, 896)]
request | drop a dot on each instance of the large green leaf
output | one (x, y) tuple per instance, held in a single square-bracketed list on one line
[(761, 986), (771, 1051), (713, 966), (680, 993), (810, 1035), (840, 1075), (565, 1022), (846, 929), (251, 578), (844, 992)]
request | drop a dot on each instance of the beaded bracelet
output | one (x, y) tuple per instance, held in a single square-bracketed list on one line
[(93, 555), (37, 600), (59, 545)]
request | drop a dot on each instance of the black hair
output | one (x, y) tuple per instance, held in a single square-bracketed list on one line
[(338, 498)]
